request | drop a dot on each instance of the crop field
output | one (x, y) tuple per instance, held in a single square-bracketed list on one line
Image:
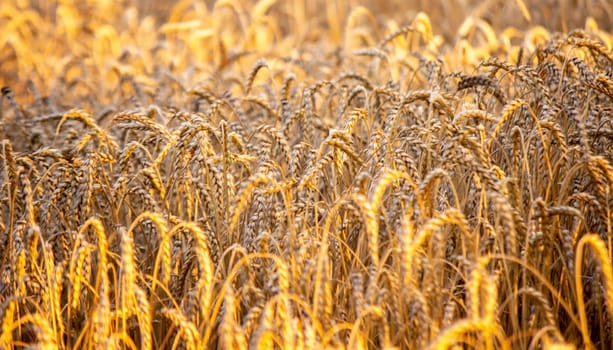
[(293, 174)]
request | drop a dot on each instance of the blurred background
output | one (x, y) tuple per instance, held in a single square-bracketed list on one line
[(43, 40), (446, 15)]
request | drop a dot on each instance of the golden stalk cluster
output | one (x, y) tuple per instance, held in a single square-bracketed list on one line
[(291, 174)]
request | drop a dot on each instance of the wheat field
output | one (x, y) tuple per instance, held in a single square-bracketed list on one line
[(292, 174)]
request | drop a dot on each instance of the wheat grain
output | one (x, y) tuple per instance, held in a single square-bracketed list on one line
[(158, 189)]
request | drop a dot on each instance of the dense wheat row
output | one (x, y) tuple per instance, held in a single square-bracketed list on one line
[(260, 175)]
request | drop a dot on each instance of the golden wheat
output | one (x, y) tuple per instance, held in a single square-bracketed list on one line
[(285, 174)]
